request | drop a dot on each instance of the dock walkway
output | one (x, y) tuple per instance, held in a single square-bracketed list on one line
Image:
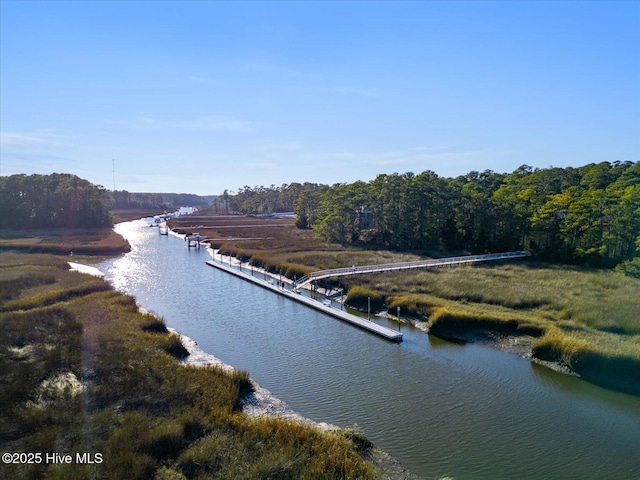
[(368, 325), (387, 267)]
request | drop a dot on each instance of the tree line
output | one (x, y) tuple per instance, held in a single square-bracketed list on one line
[(124, 200), (260, 200), (589, 214), (58, 200)]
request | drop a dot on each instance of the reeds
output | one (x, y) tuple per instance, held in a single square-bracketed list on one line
[(601, 358), (65, 241), (363, 298), (565, 307), (523, 298), (148, 414)]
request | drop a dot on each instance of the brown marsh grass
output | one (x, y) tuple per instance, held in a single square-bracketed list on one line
[(557, 304), (64, 241), (586, 320), (148, 414)]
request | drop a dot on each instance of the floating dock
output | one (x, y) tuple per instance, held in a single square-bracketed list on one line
[(365, 324)]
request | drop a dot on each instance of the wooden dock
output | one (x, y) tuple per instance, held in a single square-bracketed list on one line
[(365, 324), (194, 240), (387, 267)]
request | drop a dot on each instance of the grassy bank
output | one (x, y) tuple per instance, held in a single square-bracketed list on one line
[(583, 319), (64, 241), (84, 371), (134, 214)]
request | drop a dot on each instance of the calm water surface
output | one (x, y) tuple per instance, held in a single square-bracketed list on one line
[(439, 408)]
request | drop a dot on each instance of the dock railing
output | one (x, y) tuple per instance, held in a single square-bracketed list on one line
[(386, 267)]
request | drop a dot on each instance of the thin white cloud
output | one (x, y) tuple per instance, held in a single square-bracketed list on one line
[(211, 122), (21, 140), (408, 156)]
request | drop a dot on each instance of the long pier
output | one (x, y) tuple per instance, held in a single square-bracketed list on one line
[(387, 267), (368, 325)]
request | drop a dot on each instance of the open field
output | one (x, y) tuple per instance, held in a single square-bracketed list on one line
[(84, 371), (586, 320)]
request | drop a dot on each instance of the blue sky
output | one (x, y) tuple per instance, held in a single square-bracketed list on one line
[(203, 96)]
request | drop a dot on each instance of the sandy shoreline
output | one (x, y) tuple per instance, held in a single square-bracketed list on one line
[(89, 270)]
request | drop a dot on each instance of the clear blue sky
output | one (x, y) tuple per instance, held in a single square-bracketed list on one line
[(201, 96)]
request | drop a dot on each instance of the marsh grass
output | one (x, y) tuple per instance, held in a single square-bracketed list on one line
[(361, 298), (565, 307), (56, 284), (522, 298), (153, 324), (148, 414), (64, 241), (17, 281), (600, 357), (601, 300)]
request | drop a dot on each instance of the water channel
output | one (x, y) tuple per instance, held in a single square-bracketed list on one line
[(468, 412)]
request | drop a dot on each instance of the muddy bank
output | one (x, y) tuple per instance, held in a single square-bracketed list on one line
[(514, 344), (520, 345), (614, 373), (262, 403)]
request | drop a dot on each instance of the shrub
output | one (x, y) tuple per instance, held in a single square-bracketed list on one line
[(631, 268), (362, 443), (261, 261), (243, 255), (166, 473), (293, 270)]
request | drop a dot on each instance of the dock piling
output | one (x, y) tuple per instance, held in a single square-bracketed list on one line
[(368, 325)]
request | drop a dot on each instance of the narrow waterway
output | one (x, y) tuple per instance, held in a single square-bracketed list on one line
[(441, 409)]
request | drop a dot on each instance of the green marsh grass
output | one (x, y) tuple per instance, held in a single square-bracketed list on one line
[(150, 415), (522, 297), (561, 306), (64, 241), (361, 298), (603, 358)]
